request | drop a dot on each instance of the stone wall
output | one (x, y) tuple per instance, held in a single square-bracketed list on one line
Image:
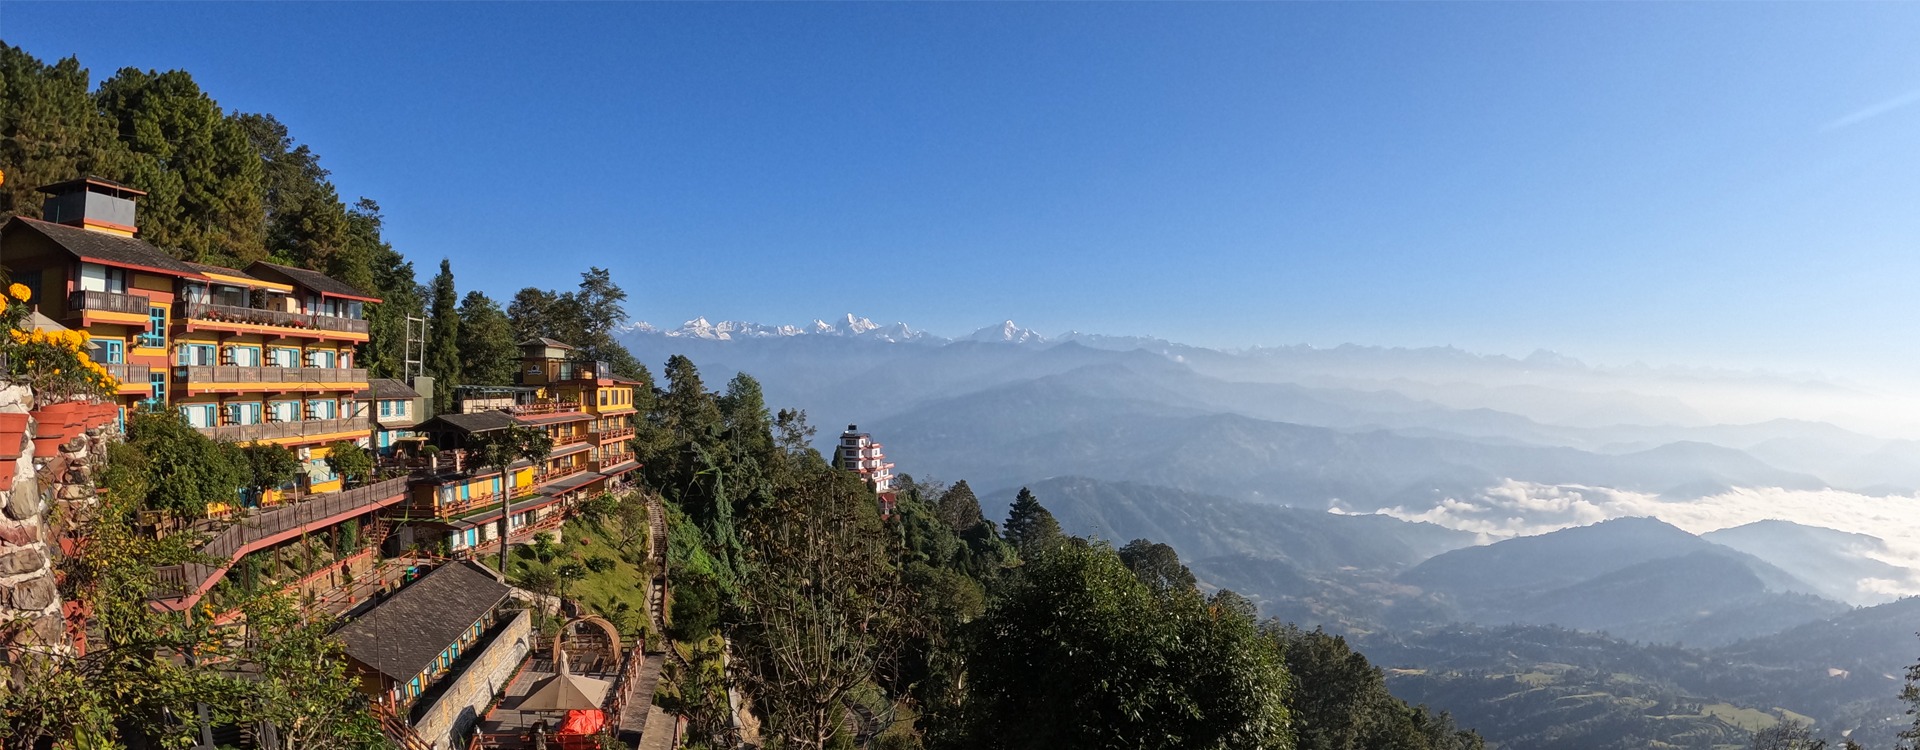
[(451, 718), (51, 485)]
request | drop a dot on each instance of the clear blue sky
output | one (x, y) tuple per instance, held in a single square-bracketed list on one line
[(1704, 183)]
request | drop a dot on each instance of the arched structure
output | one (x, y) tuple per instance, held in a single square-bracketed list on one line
[(607, 631)]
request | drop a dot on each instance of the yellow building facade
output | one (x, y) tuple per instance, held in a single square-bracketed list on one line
[(261, 355)]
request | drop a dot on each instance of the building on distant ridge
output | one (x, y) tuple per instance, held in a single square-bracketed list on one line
[(859, 453)]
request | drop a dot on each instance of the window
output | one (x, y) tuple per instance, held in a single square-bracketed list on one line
[(386, 408), (159, 382), (98, 278), (196, 354), (321, 358), (280, 356), (198, 415), (246, 356), (285, 411), (156, 333), (322, 409), (243, 413), (109, 351)]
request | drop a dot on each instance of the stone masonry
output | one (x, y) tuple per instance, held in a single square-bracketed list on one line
[(32, 617)]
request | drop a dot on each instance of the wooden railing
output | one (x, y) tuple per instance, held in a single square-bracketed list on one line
[(130, 374), (545, 407), (137, 304), (249, 316), (201, 375), (612, 433), (246, 433), (229, 543)]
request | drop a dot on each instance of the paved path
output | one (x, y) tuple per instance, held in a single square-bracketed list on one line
[(659, 733)]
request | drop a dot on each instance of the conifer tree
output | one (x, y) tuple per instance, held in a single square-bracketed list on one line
[(1030, 526), (204, 179), (50, 129), (443, 337), (393, 281), (488, 352)]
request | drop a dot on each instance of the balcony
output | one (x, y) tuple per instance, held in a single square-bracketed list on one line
[(132, 304), (247, 433), (204, 311), (535, 408), (208, 377), (141, 375), (610, 434)]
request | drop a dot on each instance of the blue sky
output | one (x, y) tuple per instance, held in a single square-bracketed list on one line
[(1695, 183)]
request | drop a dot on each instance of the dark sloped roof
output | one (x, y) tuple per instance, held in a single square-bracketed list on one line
[(204, 268), (110, 249), (388, 389), (314, 280), (480, 421), (403, 635)]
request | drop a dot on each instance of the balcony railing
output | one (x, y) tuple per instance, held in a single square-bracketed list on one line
[(200, 375), (246, 433), (130, 374), (555, 475), (250, 316), (612, 433), (229, 543), (137, 304), (545, 407)]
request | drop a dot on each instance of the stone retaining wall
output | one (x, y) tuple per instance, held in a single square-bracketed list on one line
[(449, 721), (32, 616)]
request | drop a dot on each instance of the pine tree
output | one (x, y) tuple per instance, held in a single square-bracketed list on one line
[(306, 223), (533, 315), (443, 337), (50, 129), (1030, 526), (488, 352), (393, 281), (204, 179)]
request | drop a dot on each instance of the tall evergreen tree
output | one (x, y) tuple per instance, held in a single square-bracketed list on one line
[(306, 223), (50, 129), (534, 315), (204, 179), (393, 281), (1030, 526), (488, 352), (443, 337)]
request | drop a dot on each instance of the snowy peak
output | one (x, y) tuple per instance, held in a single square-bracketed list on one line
[(726, 330), (849, 325), (1007, 332)]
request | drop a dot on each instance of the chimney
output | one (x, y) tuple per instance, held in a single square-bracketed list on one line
[(91, 203)]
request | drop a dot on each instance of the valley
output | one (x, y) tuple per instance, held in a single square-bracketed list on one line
[(1572, 559)]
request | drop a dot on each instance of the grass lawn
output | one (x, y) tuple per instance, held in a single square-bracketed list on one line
[(618, 592)]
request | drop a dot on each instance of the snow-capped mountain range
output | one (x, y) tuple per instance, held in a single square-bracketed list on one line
[(847, 326)]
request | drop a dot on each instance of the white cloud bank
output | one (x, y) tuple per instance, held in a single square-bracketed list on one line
[(1515, 508)]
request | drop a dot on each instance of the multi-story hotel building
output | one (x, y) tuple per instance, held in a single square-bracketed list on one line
[(265, 354), (585, 410)]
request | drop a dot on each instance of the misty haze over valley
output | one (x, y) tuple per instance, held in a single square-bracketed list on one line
[(1394, 494)]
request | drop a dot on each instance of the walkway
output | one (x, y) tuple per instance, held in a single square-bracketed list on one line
[(186, 583)]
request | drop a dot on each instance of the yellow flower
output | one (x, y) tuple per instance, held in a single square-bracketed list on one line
[(20, 292)]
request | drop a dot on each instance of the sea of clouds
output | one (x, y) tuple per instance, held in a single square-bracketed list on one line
[(1515, 508)]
